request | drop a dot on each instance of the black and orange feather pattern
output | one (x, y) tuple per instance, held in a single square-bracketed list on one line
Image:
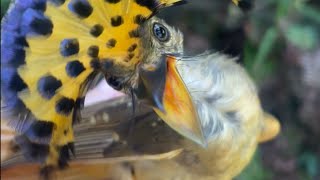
[(50, 51)]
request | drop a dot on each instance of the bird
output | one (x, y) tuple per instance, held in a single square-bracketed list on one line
[(52, 51), (231, 117), (229, 111)]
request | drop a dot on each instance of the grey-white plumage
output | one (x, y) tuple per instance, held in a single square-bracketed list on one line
[(222, 91)]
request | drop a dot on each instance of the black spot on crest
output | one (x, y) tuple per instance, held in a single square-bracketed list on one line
[(40, 129), (116, 21), (58, 2), (107, 63), (32, 151), (48, 85), (34, 22), (95, 63), (13, 39), (139, 19), (150, 4), (93, 51), (112, 1), (134, 33), (42, 26), (69, 47), (14, 57), (111, 43), (74, 68), (64, 106), (18, 57), (96, 30), (64, 156), (80, 7), (22, 41), (132, 47), (130, 56), (40, 5), (16, 83)]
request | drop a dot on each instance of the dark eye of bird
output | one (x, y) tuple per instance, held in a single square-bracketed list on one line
[(160, 32), (114, 82)]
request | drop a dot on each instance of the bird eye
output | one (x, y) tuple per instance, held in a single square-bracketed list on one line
[(114, 82), (160, 32)]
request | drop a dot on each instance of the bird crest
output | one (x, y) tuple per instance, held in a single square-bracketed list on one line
[(50, 52)]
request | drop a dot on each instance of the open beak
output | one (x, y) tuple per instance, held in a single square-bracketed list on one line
[(163, 88)]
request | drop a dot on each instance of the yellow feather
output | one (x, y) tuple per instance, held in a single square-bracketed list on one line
[(43, 57)]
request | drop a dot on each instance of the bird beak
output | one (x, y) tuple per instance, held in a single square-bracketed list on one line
[(162, 87)]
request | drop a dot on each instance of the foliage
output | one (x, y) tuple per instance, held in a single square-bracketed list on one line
[(4, 6)]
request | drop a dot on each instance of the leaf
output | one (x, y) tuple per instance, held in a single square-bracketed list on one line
[(4, 6), (304, 37)]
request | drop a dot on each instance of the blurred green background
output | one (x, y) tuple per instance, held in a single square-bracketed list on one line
[(278, 42)]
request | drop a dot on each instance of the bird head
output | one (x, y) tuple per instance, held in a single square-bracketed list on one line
[(156, 81), (159, 83)]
